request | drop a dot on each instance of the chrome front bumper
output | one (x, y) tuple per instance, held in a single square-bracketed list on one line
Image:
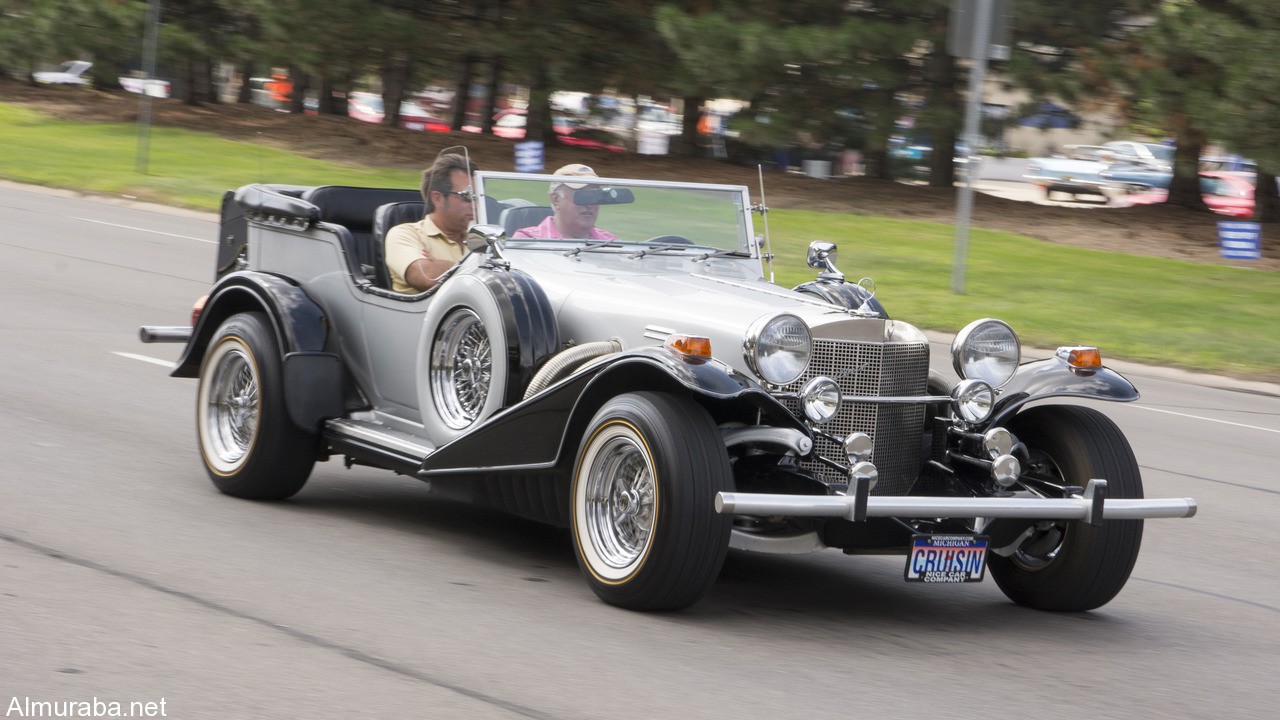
[(1090, 507)]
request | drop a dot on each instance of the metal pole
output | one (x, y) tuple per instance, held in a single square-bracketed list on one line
[(977, 75), (149, 73)]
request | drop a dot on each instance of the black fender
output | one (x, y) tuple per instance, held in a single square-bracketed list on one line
[(1053, 377), (543, 432), (845, 294), (312, 376)]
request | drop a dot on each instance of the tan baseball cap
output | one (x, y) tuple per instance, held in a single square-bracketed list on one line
[(574, 170)]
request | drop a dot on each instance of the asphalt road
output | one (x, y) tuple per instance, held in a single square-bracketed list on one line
[(125, 577)]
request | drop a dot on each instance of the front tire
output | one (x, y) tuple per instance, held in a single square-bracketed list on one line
[(646, 532), (1072, 566), (250, 447)]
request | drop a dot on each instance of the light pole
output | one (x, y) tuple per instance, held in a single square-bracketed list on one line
[(149, 72)]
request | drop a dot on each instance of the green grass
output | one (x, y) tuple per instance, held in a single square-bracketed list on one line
[(1168, 312)]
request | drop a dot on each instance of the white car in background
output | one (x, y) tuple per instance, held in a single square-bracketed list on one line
[(155, 87), (68, 73)]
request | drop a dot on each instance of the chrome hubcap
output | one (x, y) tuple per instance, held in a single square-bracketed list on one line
[(231, 414), (620, 498), (462, 369)]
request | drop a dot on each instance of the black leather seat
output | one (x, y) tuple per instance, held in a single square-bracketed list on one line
[(384, 218), (515, 218), (353, 208)]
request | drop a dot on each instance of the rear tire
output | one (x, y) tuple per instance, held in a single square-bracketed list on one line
[(250, 447), (646, 532), (1072, 566)]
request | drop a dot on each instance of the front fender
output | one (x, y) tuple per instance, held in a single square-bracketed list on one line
[(549, 425), (299, 324), (1055, 378)]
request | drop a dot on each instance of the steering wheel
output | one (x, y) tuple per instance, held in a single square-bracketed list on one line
[(669, 240)]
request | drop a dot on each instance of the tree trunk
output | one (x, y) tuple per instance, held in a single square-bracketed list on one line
[(1184, 188), (491, 104), (942, 78), (687, 143), (189, 89), (462, 92), (1266, 202), (301, 84), (245, 96), (538, 121), (395, 80)]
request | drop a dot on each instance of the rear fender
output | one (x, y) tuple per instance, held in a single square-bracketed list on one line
[(1055, 378), (312, 376)]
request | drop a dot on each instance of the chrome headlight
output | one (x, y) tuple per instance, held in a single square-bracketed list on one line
[(777, 348), (973, 400), (986, 350)]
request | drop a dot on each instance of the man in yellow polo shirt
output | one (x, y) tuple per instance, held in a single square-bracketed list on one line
[(417, 254)]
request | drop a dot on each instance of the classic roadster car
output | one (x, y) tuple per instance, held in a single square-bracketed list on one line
[(655, 394)]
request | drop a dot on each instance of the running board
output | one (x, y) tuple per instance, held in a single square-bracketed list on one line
[(378, 444)]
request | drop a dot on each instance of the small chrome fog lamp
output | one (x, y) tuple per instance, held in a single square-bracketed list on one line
[(996, 442), (973, 400), (820, 398), (858, 447)]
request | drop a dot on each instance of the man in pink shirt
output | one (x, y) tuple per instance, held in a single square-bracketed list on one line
[(568, 219)]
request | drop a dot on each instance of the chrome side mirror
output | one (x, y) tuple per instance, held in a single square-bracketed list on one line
[(822, 256), (480, 237)]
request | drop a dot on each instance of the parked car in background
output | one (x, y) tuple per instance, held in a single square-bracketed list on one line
[(155, 87), (655, 394), (368, 107), (1077, 172), (68, 73), (593, 138), (1145, 153), (1226, 193)]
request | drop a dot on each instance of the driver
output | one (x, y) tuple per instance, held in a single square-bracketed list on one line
[(568, 219)]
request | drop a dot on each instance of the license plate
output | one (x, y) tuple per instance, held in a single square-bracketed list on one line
[(947, 558)]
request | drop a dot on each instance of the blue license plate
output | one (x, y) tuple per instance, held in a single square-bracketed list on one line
[(947, 558)]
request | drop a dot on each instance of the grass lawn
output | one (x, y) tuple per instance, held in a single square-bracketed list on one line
[(1167, 312)]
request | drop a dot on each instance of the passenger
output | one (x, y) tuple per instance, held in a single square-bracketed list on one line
[(568, 219), (417, 254)]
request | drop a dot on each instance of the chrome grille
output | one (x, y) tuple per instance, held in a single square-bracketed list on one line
[(883, 369)]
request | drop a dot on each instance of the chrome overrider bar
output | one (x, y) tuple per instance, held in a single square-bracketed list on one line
[(1091, 507), (155, 334)]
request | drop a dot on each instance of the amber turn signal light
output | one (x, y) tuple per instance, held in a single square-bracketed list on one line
[(1086, 358), (691, 347)]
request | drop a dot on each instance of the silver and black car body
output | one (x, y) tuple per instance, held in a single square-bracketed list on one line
[(655, 394)]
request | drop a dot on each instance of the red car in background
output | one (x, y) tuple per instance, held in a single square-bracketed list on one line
[(1226, 193)]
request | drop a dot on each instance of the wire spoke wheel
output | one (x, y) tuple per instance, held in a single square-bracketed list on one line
[(646, 533), (620, 497), (461, 368), (251, 449)]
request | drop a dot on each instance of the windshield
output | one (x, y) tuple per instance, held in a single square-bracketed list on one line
[(625, 212), (1163, 153)]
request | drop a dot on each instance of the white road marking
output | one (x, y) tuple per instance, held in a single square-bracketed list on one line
[(1207, 419), (157, 232), (144, 358)]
